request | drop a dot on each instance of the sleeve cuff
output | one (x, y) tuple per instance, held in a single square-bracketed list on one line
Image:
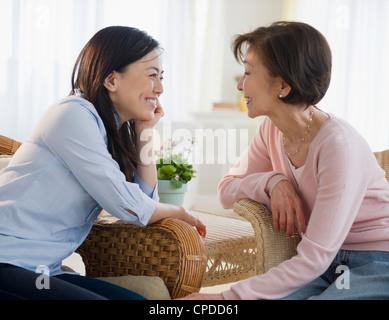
[(148, 208), (273, 181)]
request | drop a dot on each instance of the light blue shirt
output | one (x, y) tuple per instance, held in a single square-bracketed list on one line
[(56, 184)]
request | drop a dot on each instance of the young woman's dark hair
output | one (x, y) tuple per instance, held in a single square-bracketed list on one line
[(297, 53), (112, 49)]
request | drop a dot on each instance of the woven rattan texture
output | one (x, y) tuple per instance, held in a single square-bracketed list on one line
[(231, 249), (273, 247), (169, 249), (383, 161), (8, 146)]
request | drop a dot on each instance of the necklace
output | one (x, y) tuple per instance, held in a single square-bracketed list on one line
[(289, 154)]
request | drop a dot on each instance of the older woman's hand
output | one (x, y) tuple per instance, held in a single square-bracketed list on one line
[(287, 208)]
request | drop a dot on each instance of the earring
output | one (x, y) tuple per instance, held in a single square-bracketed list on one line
[(280, 96)]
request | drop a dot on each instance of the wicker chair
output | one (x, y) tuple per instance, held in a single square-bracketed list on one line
[(169, 249), (8, 146), (274, 247)]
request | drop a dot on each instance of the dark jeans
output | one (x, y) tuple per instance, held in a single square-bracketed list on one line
[(19, 283)]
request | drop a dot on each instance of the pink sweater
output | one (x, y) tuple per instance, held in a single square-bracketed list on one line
[(345, 195)]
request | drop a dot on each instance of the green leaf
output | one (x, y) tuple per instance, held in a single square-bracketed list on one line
[(176, 159), (176, 183), (165, 172)]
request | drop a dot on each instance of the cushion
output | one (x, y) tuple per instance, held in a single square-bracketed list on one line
[(4, 160), (152, 288)]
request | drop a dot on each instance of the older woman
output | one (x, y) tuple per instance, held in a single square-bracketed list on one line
[(313, 169)]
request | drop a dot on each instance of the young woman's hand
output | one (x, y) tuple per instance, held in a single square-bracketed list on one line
[(287, 208), (195, 221), (141, 125), (164, 210), (146, 168)]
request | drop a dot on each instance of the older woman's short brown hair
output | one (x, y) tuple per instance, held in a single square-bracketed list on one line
[(297, 53)]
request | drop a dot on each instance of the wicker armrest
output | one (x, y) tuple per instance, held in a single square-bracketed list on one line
[(8, 146), (169, 249), (383, 160), (273, 247)]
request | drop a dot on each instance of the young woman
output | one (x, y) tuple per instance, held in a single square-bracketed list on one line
[(83, 155), (313, 169)]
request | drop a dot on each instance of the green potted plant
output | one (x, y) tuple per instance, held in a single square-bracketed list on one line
[(174, 171)]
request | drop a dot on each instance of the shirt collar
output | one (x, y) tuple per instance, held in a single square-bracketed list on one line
[(117, 119), (78, 93)]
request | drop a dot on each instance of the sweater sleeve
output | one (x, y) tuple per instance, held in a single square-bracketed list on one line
[(342, 184), (253, 176)]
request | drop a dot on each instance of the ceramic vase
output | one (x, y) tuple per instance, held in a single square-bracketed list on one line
[(168, 194)]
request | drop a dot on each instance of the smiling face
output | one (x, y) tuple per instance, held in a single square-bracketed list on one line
[(135, 92), (260, 90)]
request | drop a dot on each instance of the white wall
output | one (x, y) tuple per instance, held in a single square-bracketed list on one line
[(240, 17)]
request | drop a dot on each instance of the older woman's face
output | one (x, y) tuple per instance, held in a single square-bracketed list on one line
[(259, 88)]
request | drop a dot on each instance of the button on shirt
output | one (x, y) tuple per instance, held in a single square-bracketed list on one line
[(56, 184)]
